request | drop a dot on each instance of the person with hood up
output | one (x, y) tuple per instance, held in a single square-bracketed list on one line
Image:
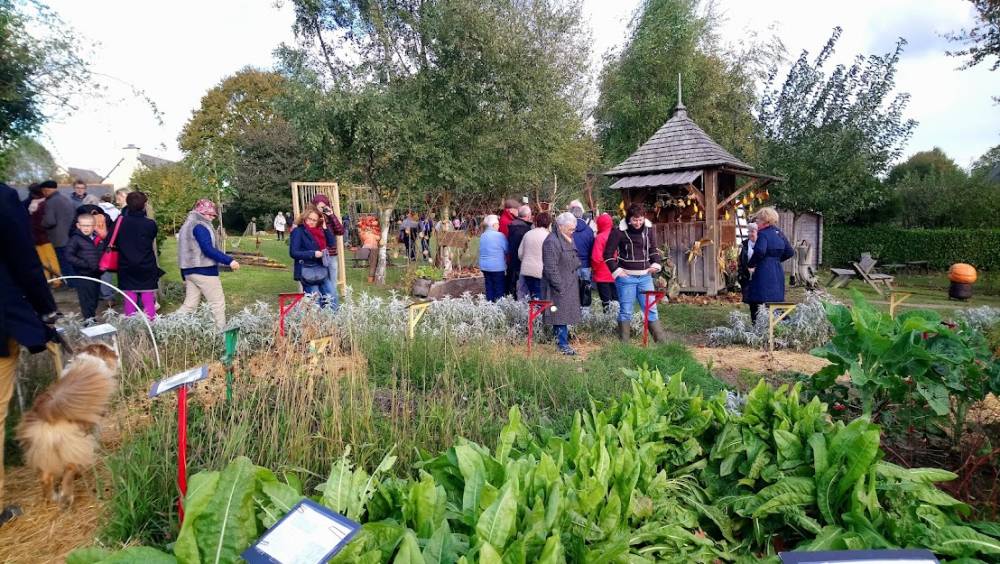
[(633, 257), (601, 274), (583, 240), (199, 262)]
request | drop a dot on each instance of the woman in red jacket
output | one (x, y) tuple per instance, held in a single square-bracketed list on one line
[(602, 275)]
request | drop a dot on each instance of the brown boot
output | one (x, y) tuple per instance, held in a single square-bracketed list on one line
[(656, 330), (624, 331)]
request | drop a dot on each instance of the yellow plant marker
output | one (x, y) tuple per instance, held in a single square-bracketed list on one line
[(318, 347), (417, 310), (895, 299), (785, 308)]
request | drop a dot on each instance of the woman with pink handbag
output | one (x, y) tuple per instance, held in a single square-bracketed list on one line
[(138, 273)]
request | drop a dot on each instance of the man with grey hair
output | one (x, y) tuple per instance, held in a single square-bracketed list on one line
[(516, 231), (583, 240)]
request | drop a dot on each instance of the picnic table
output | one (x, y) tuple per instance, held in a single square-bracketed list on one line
[(893, 267)]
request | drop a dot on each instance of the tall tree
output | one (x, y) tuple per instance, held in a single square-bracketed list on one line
[(173, 189), (923, 164), (237, 108), (983, 40), (638, 85), (38, 57), (833, 134), (28, 161), (461, 97)]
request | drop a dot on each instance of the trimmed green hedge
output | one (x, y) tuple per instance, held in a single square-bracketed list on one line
[(941, 247)]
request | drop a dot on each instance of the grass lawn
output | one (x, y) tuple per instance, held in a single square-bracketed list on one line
[(927, 289), (252, 283)]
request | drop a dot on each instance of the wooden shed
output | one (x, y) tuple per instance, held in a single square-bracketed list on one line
[(695, 193)]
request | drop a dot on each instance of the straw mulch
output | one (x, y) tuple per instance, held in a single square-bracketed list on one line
[(44, 533)]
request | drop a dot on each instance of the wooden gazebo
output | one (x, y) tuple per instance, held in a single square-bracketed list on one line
[(695, 193)]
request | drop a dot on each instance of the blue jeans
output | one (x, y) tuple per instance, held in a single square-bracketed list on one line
[(327, 292), (534, 287), (333, 298), (628, 295), (496, 285), (584, 273), (562, 336)]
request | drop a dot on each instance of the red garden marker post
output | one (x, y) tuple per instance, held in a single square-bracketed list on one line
[(535, 308), (182, 438), (656, 296), (180, 382), (286, 301)]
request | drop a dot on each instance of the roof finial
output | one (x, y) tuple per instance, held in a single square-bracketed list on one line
[(680, 108)]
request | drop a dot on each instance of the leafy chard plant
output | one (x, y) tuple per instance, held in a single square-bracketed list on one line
[(915, 368)]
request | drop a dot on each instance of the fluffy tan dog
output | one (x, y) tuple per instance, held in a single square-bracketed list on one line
[(58, 433)]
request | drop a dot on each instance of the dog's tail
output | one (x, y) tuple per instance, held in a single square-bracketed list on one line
[(82, 395)]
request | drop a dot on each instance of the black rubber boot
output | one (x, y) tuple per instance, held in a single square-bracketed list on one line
[(624, 331), (656, 330)]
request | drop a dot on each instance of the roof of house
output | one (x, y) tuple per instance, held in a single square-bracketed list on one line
[(151, 161), (678, 145), (86, 175)]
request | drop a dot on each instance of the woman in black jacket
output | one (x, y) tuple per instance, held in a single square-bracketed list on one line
[(138, 273)]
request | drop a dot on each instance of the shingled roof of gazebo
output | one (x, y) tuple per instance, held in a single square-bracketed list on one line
[(678, 145)]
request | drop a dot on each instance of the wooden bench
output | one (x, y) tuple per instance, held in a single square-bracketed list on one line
[(841, 277), (866, 270)]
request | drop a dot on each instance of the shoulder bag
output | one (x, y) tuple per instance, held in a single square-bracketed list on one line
[(109, 260)]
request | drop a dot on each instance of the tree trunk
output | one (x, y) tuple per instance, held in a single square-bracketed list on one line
[(383, 259), (446, 262)]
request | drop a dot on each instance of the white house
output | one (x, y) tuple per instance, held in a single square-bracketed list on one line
[(131, 161)]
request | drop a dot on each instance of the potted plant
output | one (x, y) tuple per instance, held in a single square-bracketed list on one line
[(426, 275)]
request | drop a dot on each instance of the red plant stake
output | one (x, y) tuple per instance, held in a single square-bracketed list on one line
[(182, 484), (647, 306), (535, 308), (286, 301)]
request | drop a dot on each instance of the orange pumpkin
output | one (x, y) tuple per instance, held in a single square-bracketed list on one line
[(962, 273)]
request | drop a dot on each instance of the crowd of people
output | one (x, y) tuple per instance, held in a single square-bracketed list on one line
[(562, 260), (94, 244)]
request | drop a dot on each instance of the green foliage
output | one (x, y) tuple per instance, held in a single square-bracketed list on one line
[(940, 247), (638, 85), (923, 164), (40, 59), (172, 189), (27, 161), (238, 143), (983, 40), (661, 474), (831, 134), (428, 272), (914, 369)]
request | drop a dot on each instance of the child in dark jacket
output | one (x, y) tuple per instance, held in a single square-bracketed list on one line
[(83, 251)]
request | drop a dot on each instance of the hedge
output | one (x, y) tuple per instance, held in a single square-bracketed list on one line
[(940, 247)]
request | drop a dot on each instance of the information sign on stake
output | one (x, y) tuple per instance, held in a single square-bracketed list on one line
[(309, 534), (189, 376), (859, 557), (182, 381)]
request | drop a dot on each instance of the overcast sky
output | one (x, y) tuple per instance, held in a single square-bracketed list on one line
[(176, 51)]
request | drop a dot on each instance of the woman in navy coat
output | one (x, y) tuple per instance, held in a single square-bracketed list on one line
[(767, 279), (306, 246)]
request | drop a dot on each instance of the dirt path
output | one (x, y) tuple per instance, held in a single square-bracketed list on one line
[(740, 367)]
